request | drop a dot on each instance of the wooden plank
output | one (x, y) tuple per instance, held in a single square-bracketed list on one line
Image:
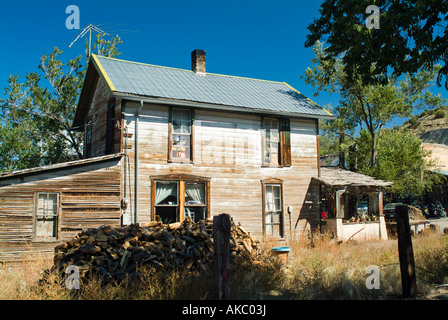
[(221, 244), (406, 253)]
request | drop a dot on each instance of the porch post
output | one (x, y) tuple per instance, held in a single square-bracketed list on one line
[(383, 229), (376, 208), (339, 214)]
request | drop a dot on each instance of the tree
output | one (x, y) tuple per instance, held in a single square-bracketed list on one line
[(369, 107), (402, 160), (37, 114), (412, 36)]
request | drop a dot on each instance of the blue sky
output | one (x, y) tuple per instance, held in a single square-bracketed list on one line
[(251, 38), (257, 39)]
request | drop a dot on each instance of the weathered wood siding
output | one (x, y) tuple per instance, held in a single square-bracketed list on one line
[(228, 149), (98, 119), (89, 197)]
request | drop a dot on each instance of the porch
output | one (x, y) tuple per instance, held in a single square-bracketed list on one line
[(351, 205)]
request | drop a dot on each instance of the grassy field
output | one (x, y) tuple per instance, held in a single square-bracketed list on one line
[(324, 270)]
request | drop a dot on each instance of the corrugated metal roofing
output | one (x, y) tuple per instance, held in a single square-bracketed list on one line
[(58, 166), (185, 85)]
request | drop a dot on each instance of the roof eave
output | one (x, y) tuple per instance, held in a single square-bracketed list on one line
[(203, 105), (59, 166)]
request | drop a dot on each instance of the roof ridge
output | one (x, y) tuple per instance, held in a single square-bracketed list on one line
[(186, 70)]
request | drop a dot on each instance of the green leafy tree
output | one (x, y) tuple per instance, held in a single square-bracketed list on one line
[(412, 36), (368, 107), (37, 114), (402, 160)]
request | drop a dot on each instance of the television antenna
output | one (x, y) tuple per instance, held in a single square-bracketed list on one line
[(89, 30)]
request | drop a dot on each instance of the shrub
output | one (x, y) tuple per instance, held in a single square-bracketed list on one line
[(413, 120), (439, 114)]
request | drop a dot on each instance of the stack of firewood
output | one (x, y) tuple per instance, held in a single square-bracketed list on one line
[(114, 253)]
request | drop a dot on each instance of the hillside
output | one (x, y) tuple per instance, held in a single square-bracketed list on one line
[(430, 126)]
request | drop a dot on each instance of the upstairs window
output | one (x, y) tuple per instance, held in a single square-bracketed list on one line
[(180, 135), (276, 142), (271, 142)]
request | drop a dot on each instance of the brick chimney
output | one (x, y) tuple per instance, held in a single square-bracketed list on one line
[(198, 61)]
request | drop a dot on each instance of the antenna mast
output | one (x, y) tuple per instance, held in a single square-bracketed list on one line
[(86, 30)]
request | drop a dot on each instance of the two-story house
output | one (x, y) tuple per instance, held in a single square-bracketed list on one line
[(164, 143)]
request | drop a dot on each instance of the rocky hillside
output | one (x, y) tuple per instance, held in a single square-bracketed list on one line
[(430, 126)]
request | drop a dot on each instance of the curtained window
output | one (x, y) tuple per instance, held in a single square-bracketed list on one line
[(166, 202), (47, 216), (180, 135), (272, 211), (276, 142), (195, 207), (271, 141), (173, 201)]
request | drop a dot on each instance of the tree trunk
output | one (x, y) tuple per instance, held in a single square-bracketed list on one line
[(341, 152), (373, 154)]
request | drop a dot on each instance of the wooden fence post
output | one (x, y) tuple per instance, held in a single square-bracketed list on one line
[(406, 253), (221, 243)]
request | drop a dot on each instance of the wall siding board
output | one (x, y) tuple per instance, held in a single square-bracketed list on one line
[(90, 197), (227, 150)]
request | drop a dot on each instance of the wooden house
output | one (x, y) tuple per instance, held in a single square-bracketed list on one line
[(164, 143)]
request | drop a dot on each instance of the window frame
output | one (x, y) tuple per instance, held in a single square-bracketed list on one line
[(277, 183), (181, 180), (171, 133), (177, 205), (284, 144), (57, 219), (271, 142)]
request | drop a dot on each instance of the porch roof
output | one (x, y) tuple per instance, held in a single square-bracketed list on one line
[(336, 177)]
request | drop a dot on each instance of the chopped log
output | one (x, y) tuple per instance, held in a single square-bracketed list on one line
[(114, 253)]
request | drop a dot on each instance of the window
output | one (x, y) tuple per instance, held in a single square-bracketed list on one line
[(174, 200), (180, 135), (273, 210), (46, 216), (166, 201), (195, 204), (276, 142), (271, 141)]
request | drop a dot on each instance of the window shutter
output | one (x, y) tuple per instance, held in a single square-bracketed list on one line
[(285, 136)]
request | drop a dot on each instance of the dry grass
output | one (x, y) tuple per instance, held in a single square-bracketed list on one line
[(325, 270), (328, 270)]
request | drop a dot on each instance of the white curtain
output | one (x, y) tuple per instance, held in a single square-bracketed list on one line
[(164, 190), (269, 199), (196, 192)]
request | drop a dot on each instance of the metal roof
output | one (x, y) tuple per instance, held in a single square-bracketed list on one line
[(58, 166), (213, 89)]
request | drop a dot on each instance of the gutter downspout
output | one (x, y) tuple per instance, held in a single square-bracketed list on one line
[(136, 155)]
